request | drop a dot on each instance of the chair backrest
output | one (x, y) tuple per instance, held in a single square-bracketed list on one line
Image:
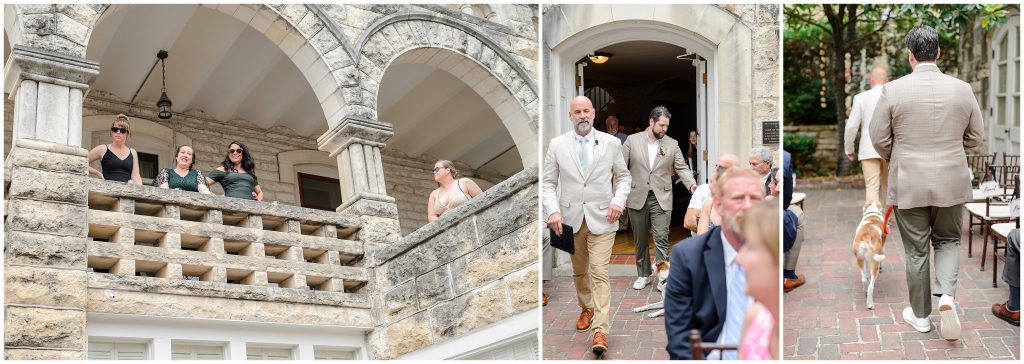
[(977, 164), (698, 347), (1011, 159)]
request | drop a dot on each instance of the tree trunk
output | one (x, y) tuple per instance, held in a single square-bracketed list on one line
[(841, 29)]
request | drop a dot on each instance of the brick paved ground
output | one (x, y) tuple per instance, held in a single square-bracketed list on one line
[(632, 335), (826, 318)]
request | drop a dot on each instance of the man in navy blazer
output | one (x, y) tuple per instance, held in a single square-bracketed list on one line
[(696, 294)]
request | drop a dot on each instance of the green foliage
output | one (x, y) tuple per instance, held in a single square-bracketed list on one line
[(802, 148)]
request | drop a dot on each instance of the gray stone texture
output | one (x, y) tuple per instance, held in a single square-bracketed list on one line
[(496, 259), (31, 285), (44, 327)]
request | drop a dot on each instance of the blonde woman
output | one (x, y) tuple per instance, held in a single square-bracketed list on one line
[(760, 260), (451, 192), (118, 161)]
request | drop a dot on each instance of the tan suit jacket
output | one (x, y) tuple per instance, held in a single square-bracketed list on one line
[(658, 179), (565, 189), (922, 123)]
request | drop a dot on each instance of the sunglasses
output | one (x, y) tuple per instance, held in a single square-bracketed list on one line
[(119, 130), (438, 169), (239, 150)]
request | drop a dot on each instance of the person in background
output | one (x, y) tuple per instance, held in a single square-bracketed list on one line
[(759, 258), (115, 167), (451, 191), (237, 174), (611, 123), (182, 176)]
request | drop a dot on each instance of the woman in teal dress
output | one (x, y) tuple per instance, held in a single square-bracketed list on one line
[(182, 176), (237, 174)]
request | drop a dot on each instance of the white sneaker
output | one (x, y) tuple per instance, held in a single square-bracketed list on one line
[(919, 324), (949, 327), (640, 283)]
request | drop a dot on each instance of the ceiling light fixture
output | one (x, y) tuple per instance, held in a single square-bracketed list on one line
[(165, 102), (600, 57)]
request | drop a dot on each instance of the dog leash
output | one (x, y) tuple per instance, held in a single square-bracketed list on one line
[(885, 220)]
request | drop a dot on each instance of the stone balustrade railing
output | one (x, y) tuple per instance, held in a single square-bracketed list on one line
[(474, 266), (152, 240)]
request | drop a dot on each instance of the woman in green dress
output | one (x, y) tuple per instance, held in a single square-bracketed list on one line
[(237, 174), (182, 176)]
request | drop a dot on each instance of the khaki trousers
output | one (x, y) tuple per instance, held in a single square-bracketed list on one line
[(650, 218), (590, 273), (876, 179), (924, 229)]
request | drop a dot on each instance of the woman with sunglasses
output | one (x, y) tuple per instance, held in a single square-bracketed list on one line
[(451, 192), (237, 174), (118, 161), (182, 176)]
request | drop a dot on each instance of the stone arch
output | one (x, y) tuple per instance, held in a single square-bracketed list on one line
[(391, 39), (722, 37), (303, 32)]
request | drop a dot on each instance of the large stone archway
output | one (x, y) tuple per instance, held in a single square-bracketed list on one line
[(738, 99), (513, 96)]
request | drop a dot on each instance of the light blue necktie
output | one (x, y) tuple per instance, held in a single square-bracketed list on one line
[(735, 311), (585, 151)]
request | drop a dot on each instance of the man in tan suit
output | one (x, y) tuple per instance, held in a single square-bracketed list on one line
[(876, 170), (921, 125), (651, 156), (577, 189)]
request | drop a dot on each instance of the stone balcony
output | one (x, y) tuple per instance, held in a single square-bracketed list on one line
[(144, 240)]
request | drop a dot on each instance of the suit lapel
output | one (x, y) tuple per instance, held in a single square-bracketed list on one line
[(574, 148), (714, 259), (643, 152), (598, 152)]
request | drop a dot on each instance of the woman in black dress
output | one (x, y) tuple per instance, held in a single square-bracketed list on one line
[(118, 161)]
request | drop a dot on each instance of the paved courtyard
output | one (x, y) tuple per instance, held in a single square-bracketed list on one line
[(826, 318)]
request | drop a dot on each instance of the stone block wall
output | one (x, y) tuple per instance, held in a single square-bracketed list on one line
[(474, 266), (828, 140), (763, 19)]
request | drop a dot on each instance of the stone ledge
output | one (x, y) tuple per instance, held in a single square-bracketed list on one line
[(160, 224), (263, 264), (108, 301), (512, 185), (201, 201), (223, 290)]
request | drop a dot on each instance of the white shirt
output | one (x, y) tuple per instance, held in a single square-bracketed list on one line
[(591, 138), (652, 150), (924, 63), (700, 195)]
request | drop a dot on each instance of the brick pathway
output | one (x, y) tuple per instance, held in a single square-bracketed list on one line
[(826, 318), (632, 335)]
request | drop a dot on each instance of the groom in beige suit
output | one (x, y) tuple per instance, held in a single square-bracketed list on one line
[(577, 190), (922, 123), (651, 156)]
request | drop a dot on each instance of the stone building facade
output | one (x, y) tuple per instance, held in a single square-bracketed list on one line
[(982, 55), (339, 284), (740, 44)]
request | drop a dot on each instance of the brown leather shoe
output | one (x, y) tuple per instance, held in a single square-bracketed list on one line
[(585, 317), (1004, 313), (791, 284), (600, 343), (544, 299)]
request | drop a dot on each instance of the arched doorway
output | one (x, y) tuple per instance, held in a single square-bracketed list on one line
[(700, 60)]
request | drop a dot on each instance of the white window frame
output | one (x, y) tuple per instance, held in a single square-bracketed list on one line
[(332, 353), (266, 351), (164, 332), (1011, 31), (196, 348), (114, 343)]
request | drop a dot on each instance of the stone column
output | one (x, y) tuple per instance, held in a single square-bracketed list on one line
[(356, 143), (46, 229)]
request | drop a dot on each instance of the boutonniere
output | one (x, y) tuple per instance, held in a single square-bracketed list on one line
[(661, 151)]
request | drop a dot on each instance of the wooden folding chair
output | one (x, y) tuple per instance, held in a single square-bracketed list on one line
[(1011, 159), (994, 210), (978, 163), (1000, 232), (699, 347)]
